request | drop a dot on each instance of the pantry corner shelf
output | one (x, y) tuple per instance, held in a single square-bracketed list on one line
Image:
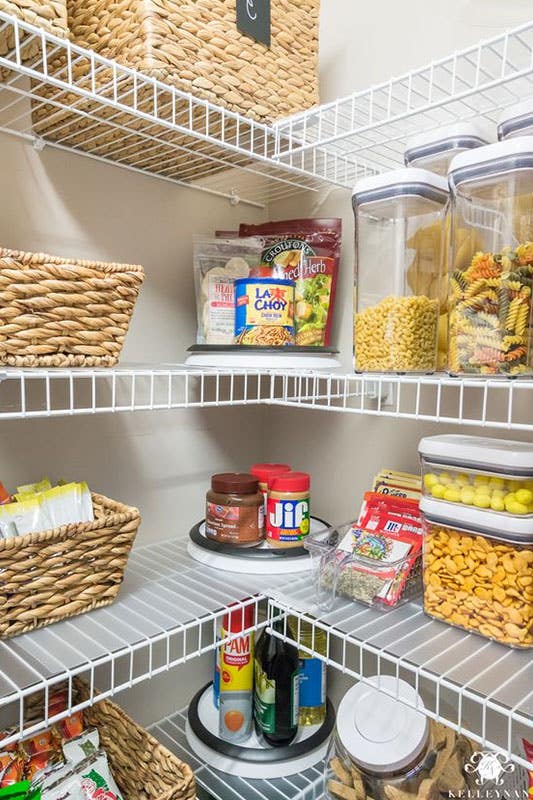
[(169, 611), (488, 402), (54, 93), (372, 126), (479, 688)]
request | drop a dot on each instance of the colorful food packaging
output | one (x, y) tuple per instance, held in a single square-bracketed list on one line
[(40, 507), (305, 251), (81, 747), (71, 727), (264, 312), (11, 768), (218, 263)]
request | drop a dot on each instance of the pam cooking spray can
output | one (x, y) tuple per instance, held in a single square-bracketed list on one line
[(237, 676)]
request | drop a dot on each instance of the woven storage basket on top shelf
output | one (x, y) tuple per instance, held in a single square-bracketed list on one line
[(59, 312), (55, 574), (195, 45), (48, 14)]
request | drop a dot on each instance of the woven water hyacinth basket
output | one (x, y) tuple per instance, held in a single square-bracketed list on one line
[(195, 46), (59, 312), (55, 574), (48, 14), (141, 766)]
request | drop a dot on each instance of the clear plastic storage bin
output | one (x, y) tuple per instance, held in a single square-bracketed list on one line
[(363, 565), (491, 276), (478, 571), (492, 474), (517, 120), (399, 224), (435, 149)]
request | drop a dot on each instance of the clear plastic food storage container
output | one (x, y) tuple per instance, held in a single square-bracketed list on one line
[(383, 745), (399, 233), (516, 120), (478, 571), (378, 569), (434, 150), (492, 260), (493, 474)]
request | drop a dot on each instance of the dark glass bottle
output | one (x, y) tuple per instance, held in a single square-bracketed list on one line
[(276, 694)]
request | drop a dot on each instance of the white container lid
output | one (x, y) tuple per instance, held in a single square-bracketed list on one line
[(474, 133), (380, 733), (398, 182), (482, 161), (494, 524), (516, 118), (479, 452)]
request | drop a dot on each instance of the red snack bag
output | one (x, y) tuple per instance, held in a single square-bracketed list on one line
[(305, 251), (71, 726), (57, 702), (38, 762), (11, 769), (41, 743)]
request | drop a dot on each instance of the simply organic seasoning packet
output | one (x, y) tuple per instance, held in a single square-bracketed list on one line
[(307, 252)]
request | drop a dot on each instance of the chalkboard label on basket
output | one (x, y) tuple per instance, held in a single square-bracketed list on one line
[(253, 19)]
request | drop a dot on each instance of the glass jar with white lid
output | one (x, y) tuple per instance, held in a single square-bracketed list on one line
[(382, 741), (400, 291), (491, 265)]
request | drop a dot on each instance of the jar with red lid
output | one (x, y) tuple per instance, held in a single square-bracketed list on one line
[(288, 509), (234, 510), (266, 473)]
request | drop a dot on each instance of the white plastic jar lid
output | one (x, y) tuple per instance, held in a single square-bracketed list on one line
[(479, 452), (493, 159), (510, 528), (516, 118), (463, 135), (401, 182), (380, 732)]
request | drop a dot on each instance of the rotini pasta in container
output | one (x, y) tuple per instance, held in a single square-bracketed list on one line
[(400, 297), (491, 278)]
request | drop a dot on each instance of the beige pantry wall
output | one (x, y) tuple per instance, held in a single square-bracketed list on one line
[(68, 205)]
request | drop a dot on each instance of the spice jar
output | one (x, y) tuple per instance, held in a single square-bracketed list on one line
[(288, 516), (380, 745), (265, 473), (234, 510)]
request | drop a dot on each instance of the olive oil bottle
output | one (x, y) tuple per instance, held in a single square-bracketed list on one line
[(276, 695), (312, 672)]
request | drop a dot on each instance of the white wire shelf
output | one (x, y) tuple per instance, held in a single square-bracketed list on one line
[(474, 686), (56, 93), (372, 126), (168, 612), (307, 785), (489, 403), (29, 393)]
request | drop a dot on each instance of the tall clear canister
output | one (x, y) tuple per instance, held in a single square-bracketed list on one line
[(400, 289), (491, 277)]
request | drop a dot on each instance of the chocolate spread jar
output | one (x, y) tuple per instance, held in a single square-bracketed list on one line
[(234, 510)]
